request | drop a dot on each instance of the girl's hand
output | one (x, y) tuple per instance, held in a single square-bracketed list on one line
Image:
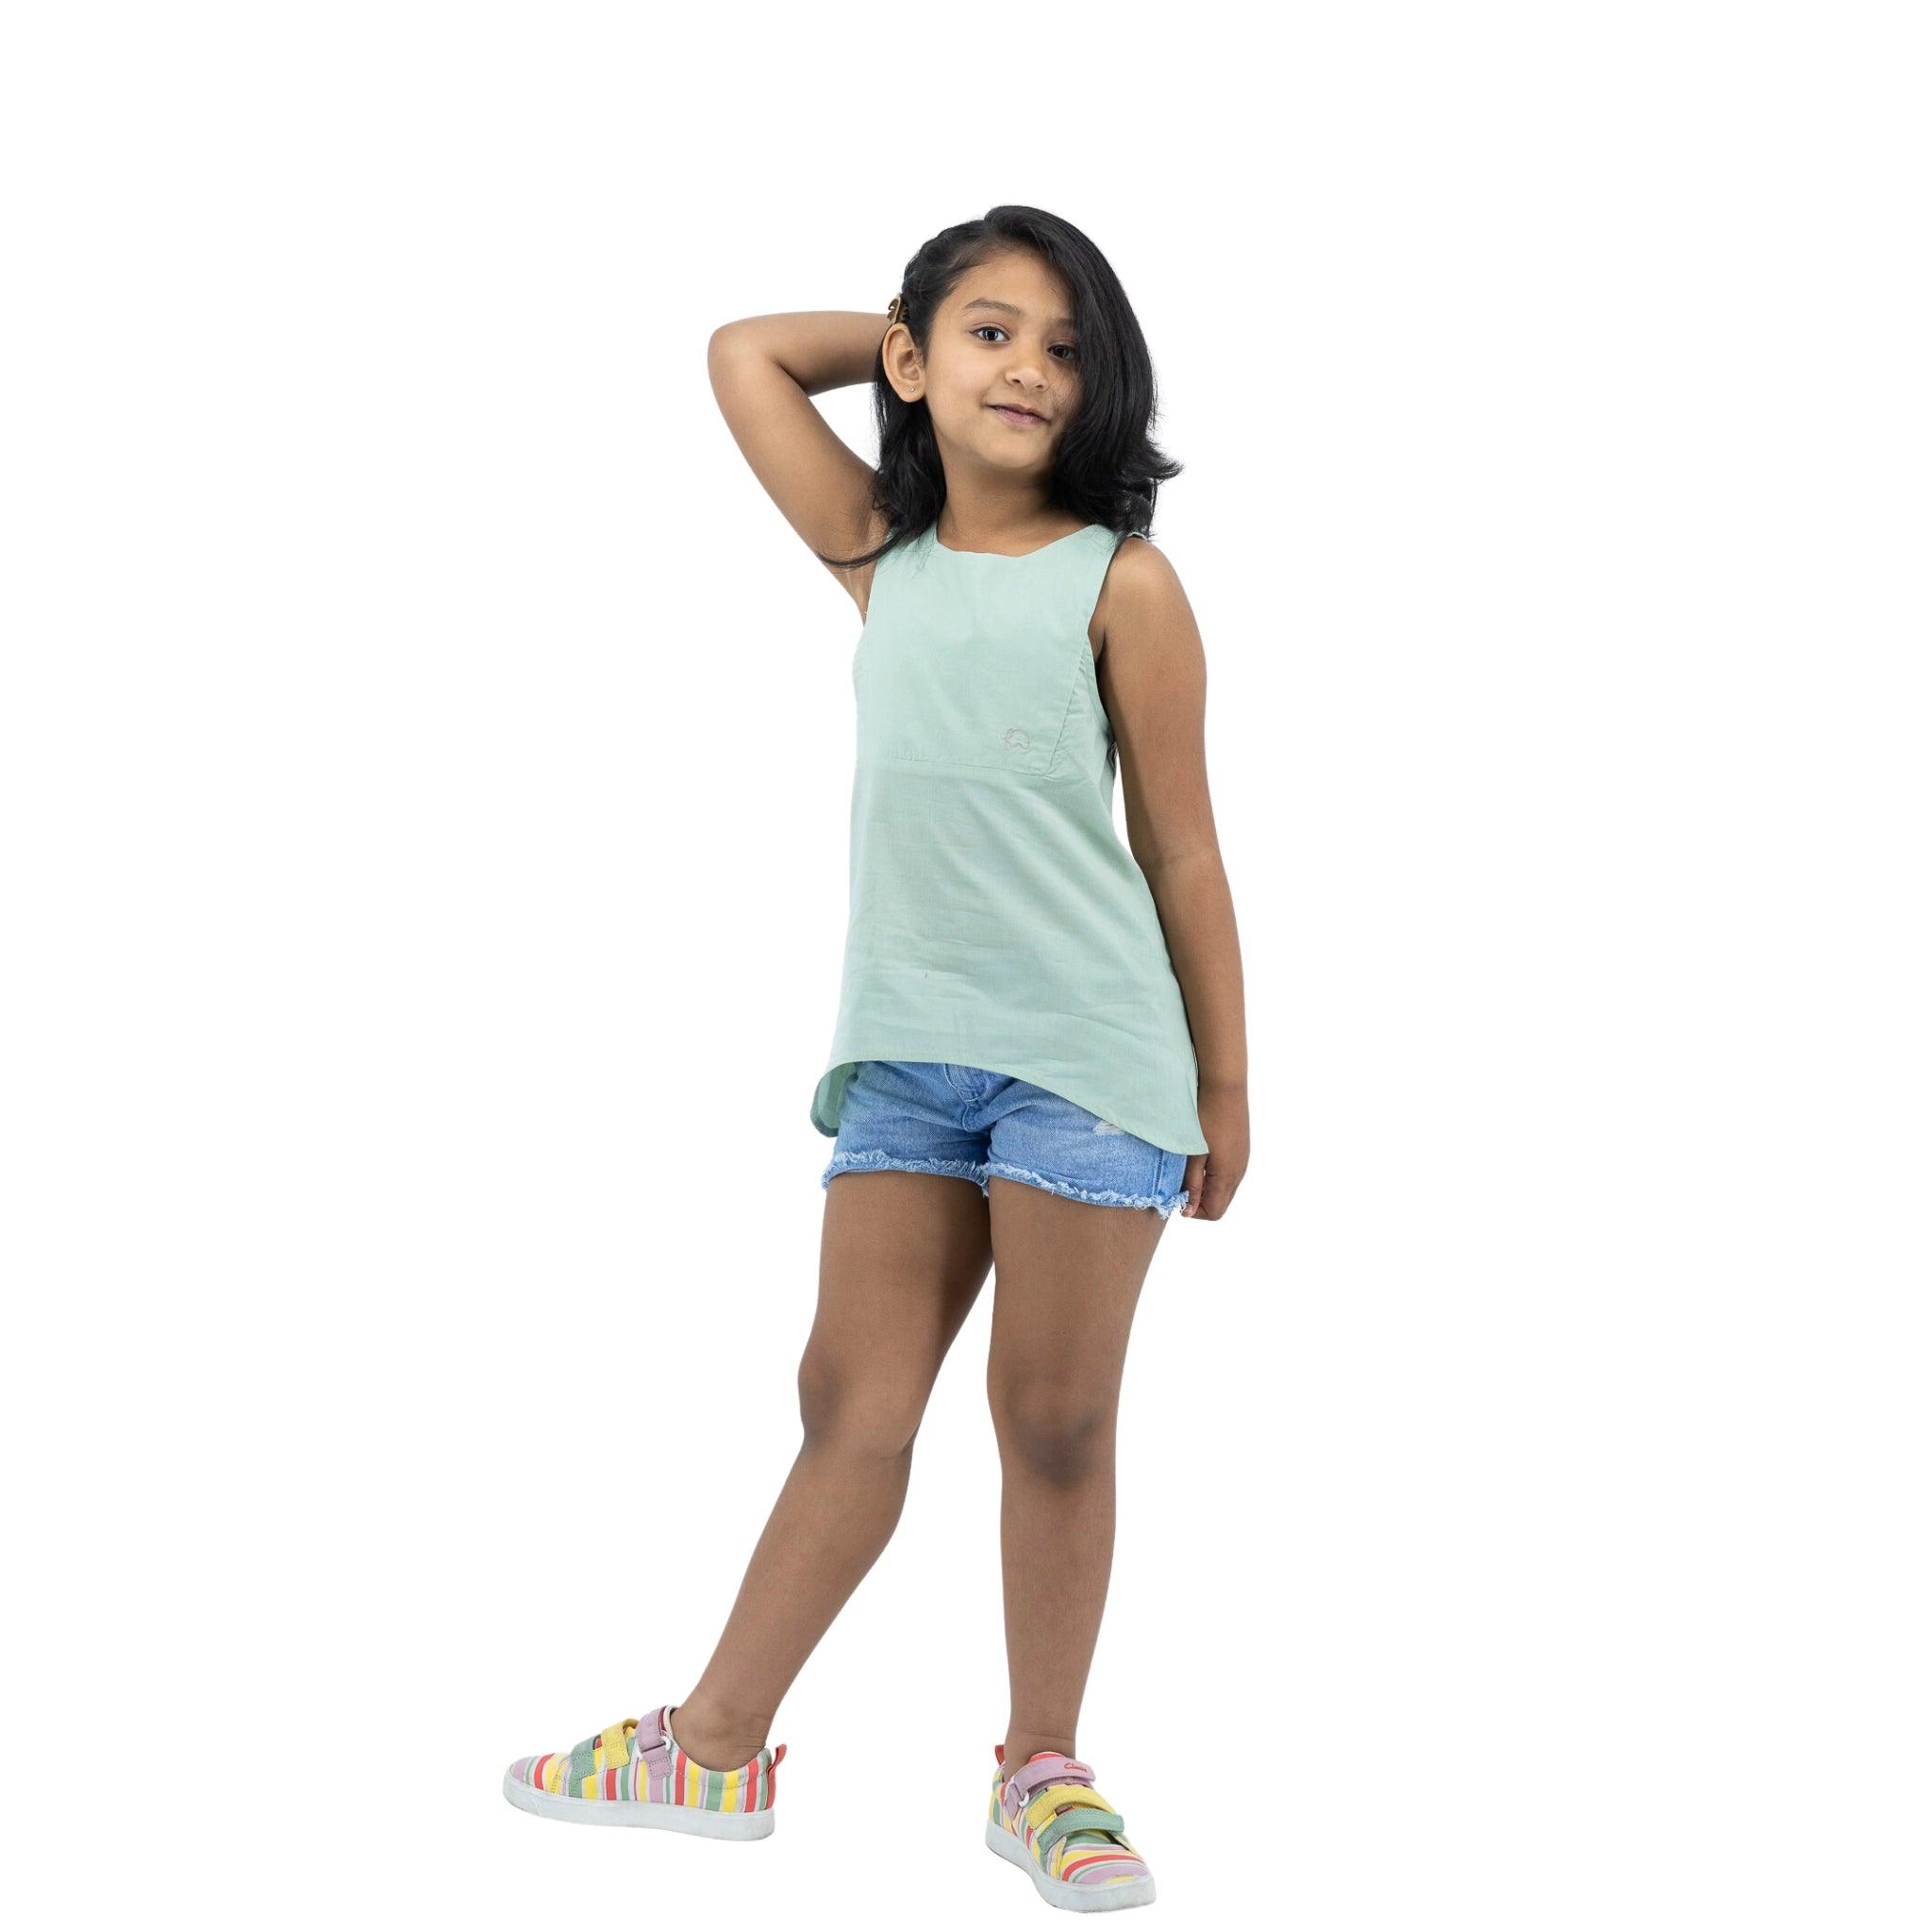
[(1212, 1177)]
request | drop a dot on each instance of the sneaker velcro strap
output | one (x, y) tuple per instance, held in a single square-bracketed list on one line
[(1045, 1804), (1038, 1773), (1082, 1818), (652, 1748), (610, 1750)]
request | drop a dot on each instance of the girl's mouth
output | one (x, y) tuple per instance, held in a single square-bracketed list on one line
[(1022, 416)]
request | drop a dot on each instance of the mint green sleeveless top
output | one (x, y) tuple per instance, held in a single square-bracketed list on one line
[(995, 919)]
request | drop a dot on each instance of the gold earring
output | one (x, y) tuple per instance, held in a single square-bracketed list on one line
[(895, 311)]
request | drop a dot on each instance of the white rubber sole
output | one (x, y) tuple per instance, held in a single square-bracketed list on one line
[(650, 1815), (1059, 1892)]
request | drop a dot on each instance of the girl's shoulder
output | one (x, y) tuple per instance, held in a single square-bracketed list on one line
[(1138, 590), (1136, 557)]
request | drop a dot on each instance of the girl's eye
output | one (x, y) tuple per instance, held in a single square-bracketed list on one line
[(1072, 350)]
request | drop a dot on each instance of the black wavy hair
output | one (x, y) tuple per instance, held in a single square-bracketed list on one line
[(1107, 469)]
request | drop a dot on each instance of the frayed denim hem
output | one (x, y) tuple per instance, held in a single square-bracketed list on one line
[(1100, 1197), (877, 1160)]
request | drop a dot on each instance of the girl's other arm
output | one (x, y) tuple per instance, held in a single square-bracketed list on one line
[(764, 371), (1153, 676)]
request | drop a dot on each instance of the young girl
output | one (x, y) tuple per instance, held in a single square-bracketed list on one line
[(1029, 1007)]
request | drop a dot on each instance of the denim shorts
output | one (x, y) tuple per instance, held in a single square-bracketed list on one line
[(932, 1117)]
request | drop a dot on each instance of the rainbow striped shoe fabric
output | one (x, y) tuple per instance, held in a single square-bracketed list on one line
[(633, 1773), (1048, 1820)]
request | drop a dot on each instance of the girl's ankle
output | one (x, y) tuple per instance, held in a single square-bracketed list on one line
[(712, 1746)]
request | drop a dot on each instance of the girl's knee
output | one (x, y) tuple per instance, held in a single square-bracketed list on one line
[(1051, 1430), (841, 1406)]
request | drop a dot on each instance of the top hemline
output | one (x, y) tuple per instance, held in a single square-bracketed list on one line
[(1013, 1070)]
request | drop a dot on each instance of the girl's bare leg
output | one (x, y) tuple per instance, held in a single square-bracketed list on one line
[(1068, 1277), (901, 1259)]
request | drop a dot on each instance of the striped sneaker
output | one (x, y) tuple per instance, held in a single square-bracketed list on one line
[(635, 1774), (1048, 1820)]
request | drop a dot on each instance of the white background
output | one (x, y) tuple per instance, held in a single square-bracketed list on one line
[(423, 759)]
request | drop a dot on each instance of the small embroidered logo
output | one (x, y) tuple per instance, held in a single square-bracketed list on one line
[(1016, 740), (1107, 1127)]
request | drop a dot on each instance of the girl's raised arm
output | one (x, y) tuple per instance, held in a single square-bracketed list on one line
[(764, 371)]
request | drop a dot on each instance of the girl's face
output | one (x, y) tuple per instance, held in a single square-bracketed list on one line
[(1002, 372)]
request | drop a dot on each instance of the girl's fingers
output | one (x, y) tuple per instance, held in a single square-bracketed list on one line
[(1193, 1180)]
